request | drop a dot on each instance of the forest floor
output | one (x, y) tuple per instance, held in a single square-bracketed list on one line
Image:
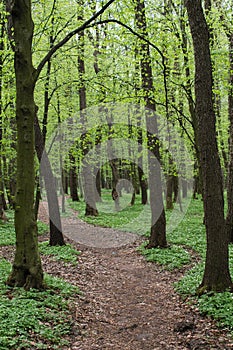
[(128, 303)]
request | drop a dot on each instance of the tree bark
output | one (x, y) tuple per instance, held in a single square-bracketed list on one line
[(158, 224), (73, 179), (142, 181), (2, 196), (88, 182), (216, 275), (55, 237), (229, 218), (27, 269)]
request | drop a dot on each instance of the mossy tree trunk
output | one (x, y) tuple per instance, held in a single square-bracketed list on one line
[(27, 269), (216, 275)]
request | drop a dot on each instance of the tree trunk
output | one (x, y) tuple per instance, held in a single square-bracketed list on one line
[(142, 181), (88, 183), (37, 199), (216, 275), (184, 184), (56, 237), (27, 269), (158, 224), (2, 196), (73, 179), (141, 178), (98, 185), (169, 184), (229, 218), (169, 193), (65, 182), (191, 105), (115, 172)]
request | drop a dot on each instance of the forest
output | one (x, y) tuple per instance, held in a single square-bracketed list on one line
[(116, 174)]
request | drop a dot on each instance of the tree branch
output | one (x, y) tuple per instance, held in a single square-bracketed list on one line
[(67, 38), (142, 37), (132, 31)]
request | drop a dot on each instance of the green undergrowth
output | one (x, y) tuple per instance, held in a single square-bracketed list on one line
[(188, 235), (218, 306), (65, 253), (171, 258), (129, 218), (7, 230), (42, 228), (35, 319)]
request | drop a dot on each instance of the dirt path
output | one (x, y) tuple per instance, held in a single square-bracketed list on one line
[(128, 303)]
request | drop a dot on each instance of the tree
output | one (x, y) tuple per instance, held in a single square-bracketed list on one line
[(158, 228), (56, 237), (216, 275), (2, 197), (88, 185), (229, 219), (226, 21), (27, 268)]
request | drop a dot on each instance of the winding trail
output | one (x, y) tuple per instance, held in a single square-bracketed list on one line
[(128, 303)]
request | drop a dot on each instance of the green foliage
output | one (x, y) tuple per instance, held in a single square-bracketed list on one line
[(187, 286), (218, 306), (32, 319), (191, 231), (42, 228), (172, 257), (64, 253), (7, 230)]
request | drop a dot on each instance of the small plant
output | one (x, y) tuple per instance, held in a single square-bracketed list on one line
[(218, 306), (64, 253), (171, 258), (187, 286), (7, 230), (42, 228), (33, 319)]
